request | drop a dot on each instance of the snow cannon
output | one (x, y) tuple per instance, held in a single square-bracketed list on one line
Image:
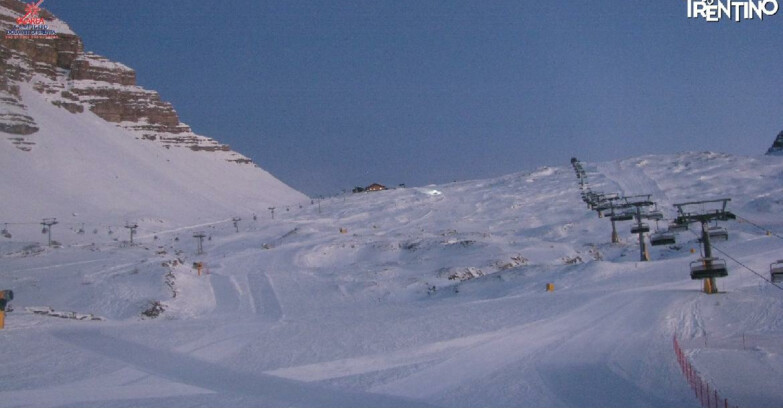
[(5, 296)]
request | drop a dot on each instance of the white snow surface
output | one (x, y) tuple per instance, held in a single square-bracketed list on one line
[(83, 170), (348, 302)]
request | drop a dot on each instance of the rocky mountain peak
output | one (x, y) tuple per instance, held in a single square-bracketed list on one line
[(80, 81)]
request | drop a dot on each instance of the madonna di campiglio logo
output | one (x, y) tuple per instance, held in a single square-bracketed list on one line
[(31, 25)]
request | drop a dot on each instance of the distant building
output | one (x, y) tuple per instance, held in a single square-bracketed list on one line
[(375, 187)]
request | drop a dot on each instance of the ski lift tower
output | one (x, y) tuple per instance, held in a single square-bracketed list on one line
[(132, 227), (609, 204), (580, 172), (640, 228), (200, 236), (706, 268), (236, 223), (603, 202), (47, 227)]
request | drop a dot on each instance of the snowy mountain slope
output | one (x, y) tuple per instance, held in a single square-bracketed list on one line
[(100, 172), (432, 296), (81, 142)]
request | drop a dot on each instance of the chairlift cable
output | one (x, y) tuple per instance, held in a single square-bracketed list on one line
[(738, 263), (743, 219), (747, 267)]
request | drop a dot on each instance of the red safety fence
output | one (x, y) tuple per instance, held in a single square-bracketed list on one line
[(708, 396)]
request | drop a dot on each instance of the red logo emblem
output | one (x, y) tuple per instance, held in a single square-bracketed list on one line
[(31, 14)]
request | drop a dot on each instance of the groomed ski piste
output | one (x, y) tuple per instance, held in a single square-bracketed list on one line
[(430, 296)]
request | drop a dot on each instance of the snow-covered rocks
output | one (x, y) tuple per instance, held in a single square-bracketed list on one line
[(777, 146)]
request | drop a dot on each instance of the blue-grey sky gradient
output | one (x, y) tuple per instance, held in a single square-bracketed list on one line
[(332, 94)]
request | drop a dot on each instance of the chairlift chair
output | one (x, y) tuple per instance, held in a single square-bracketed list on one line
[(603, 206), (640, 228), (663, 238), (677, 227), (705, 268), (776, 271), (626, 216), (654, 215), (718, 233)]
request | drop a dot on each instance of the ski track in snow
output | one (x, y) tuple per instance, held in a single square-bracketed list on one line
[(125, 384), (226, 293), (264, 296), (183, 369), (533, 342), (631, 179), (63, 265), (379, 362)]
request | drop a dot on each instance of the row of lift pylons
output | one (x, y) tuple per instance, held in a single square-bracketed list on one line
[(640, 208)]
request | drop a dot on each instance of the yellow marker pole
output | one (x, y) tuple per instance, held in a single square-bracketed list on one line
[(3, 301)]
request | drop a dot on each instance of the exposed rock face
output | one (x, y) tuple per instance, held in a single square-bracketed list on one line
[(109, 90), (78, 81), (92, 67), (777, 146)]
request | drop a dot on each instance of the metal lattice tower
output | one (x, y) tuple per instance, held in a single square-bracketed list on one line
[(640, 228), (609, 205), (48, 223)]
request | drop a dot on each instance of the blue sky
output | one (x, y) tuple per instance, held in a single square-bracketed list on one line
[(332, 94)]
